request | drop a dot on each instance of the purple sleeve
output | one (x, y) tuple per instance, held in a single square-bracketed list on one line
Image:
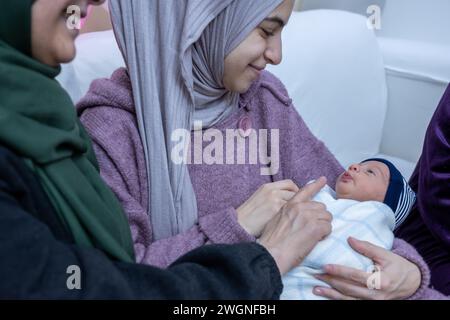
[(432, 176), (303, 157), (220, 227), (424, 292), (122, 166)]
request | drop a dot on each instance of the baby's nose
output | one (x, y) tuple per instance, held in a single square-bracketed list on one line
[(354, 167)]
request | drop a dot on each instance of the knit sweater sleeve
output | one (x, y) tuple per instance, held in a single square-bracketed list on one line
[(303, 157), (425, 292), (121, 160)]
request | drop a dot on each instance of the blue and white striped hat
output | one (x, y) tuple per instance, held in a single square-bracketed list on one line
[(399, 196)]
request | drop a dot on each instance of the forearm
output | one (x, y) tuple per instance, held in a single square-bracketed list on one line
[(37, 267), (218, 228), (424, 292), (242, 271)]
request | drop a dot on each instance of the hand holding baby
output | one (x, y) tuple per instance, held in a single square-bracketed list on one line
[(297, 228)]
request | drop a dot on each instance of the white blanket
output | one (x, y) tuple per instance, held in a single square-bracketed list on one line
[(370, 221)]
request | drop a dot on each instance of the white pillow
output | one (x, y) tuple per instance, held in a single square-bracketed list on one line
[(334, 72), (97, 57)]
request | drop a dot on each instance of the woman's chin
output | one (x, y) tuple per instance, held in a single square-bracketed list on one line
[(244, 85), (239, 87), (243, 89), (66, 53)]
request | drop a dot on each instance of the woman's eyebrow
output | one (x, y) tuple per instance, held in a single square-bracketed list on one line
[(276, 20)]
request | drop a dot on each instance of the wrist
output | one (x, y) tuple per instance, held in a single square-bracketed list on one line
[(277, 255), (242, 220), (406, 251), (415, 278)]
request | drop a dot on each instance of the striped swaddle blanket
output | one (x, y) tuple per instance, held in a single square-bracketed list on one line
[(370, 221)]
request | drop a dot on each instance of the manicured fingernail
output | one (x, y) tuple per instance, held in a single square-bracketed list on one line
[(317, 291)]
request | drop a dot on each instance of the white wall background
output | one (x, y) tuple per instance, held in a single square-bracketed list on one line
[(415, 42)]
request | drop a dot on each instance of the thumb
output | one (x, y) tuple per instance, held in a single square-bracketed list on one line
[(375, 253)]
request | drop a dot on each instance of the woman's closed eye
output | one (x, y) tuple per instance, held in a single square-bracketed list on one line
[(268, 33)]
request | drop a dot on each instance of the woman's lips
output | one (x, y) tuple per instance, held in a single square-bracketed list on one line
[(256, 69)]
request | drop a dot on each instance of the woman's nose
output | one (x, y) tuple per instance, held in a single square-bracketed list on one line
[(274, 51), (355, 167)]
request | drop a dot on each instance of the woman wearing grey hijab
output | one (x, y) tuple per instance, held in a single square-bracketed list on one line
[(201, 61), (180, 82), (179, 71), (178, 76)]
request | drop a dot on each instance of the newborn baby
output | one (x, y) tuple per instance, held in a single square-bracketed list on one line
[(371, 200)]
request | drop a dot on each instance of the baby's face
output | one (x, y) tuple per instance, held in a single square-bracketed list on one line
[(367, 181)]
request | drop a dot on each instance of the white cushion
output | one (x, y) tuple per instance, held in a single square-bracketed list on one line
[(418, 74), (97, 57), (334, 71)]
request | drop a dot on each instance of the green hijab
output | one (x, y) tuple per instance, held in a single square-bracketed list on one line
[(38, 122)]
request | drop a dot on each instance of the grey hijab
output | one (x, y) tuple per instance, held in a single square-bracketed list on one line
[(175, 51)]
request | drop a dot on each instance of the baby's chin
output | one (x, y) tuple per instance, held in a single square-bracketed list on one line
[(342, 190), (338, 193)]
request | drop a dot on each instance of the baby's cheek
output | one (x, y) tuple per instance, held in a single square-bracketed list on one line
[(369, 193)]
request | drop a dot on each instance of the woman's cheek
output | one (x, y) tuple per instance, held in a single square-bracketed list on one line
[(64, 45), (259, 46)]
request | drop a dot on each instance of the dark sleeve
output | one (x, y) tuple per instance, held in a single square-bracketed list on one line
[(432, 174), (34, 264)]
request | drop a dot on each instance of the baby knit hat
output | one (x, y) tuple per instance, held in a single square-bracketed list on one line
[(399, 196)]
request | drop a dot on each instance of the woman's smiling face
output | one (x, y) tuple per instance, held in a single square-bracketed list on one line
[(52, 42), (263, 46)]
